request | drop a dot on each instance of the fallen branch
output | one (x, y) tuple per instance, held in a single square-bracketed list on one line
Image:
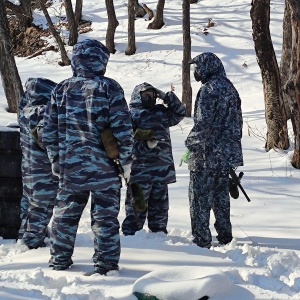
[(39, 52)]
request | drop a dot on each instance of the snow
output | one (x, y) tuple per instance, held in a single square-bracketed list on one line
[(263, 260), (176, 283)]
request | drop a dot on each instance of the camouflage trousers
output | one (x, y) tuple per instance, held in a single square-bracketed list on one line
[(208, 190), (157, 198), (105, 207), (23, 214), (36, 210)]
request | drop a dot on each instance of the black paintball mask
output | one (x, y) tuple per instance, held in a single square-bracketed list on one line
[(197, 76), (148, 98)]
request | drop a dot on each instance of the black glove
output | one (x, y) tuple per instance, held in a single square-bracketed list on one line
[(160, 94)]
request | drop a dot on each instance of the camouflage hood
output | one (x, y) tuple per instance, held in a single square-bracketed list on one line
[(38, 92), (136, 100), (207, 66), (89, 59)]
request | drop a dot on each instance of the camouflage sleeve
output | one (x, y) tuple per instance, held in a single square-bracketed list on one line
[(120, 124), (175, 110), (50, 131)]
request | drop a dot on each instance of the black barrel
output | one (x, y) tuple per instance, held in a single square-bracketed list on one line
[(10, 182)]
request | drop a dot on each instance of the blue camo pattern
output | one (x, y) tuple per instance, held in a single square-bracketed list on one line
[(215, 139), (157, 164), (157, 198), (209, 190), (39, 185), (81, 108), (153, 168), (105, 206), (215, 145)]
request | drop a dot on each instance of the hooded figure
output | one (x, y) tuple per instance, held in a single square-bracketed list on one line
[(153, 165), (39, 185), (82, 107), (215, 145)]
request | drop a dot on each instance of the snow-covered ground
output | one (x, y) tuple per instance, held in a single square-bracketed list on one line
[(263, 260)]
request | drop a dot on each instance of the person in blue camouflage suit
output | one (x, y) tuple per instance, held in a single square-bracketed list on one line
[(153, 166), (81, 108), (215, 145), (39, 185)]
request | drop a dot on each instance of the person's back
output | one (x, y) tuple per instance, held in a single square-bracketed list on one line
[(39, 184), (86, 104), (81, 108)]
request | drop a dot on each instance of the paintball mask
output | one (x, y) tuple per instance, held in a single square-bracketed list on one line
[(197, 76), (148, 98)]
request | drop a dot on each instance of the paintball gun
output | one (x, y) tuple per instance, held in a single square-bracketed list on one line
[(111, 148), (237, 181)]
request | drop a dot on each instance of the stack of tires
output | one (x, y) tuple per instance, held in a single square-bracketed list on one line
[(10, 182)]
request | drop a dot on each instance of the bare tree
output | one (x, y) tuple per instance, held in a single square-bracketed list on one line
[(139, 9), (292, 86), (78, 11), (158, 21), (111, 27), (277, 135), (11, 81), (131, 48), (149, 12), (186, 78), (23, 11), (63, 52), (72, 24), (286, 55)]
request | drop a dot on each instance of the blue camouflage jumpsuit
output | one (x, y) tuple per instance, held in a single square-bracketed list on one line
[(215, 146), (81, 108), (39, 185), (153, 169)]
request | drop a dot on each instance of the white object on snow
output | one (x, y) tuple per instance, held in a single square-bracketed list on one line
[(184, 282)]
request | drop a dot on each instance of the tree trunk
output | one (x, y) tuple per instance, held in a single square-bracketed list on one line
[(23, 11), (292, 87), (11, 81), (186, 79), (139, 9), (158, 21), (63, 52), (78, 11), (111, 26), (131, 48), (277, 135), (73, 32), (286, 55)]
